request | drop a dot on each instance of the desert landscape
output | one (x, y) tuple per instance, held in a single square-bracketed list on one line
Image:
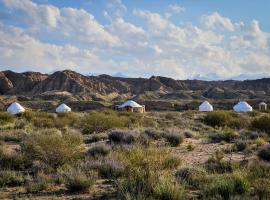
[(92, 151), (134, 100)]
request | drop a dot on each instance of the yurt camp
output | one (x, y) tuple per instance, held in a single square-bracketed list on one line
[(15, 109), (63, 108), (242, 106), (131, 106), (206, 107), (262, 106)]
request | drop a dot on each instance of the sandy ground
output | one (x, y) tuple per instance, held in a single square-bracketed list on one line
[(203, 150)]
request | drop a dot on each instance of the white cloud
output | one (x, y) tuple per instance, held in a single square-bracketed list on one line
[(217, 21), (174, 9), (57, 38), (71, 23)]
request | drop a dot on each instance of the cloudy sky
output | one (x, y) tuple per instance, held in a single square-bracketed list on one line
[(217, 39)]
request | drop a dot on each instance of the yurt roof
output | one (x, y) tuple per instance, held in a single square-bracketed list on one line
[(242, 106), (205, 106), (63, 108), (15, 108), (130, 103)]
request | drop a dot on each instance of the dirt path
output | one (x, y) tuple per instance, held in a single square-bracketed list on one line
[(203, 150)]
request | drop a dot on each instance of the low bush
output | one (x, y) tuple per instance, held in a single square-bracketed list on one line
[(97, 122), (76, 180), (226, 134), (99, 150), (123, 136), (11, 178), (110, 169), (225, 118), (226, 186), (264, 152), (14, 161), (188, 134), (174, 137), (240, 145), (6, 118), (153, 133), (262, 188), (53, 148), (96, 138), (261, 124), (166, 189), (191, 177), (144, 171), (260, 141), (12, 136), (40, 182), (216, 164), (190, 147), (217, 118)]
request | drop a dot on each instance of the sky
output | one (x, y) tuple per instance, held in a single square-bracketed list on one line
[(182, 39)]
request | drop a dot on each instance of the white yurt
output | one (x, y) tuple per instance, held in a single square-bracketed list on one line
[(262, 106), (15, 108), (206, 107), (63, 108), (242, 106), (132, 106)]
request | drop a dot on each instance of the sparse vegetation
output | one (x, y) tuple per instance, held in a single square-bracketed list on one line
[(136, 156)]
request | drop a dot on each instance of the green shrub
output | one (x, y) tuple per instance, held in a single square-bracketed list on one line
[(123, 136), (262, 188), (261, 123), (12, 136), (153, 133), (6, 118), (190, 147), (227, 186), (110, 169), (9, 161), (40, 182), (143, 172), (96, 138), (260, 141), (216, 164), (224, 118), (99, 150), (240, 145), (264, 152), (11, 178), (217, 118), (226, 134), (258, 169), (76, 180), (192, 177), (53, 148), (174, 137), (167, 190), (99, 122)]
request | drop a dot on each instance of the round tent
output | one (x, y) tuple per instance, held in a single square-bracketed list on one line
[(131, 104), (242, 106), (262, 106), (206, 107), (15, 108), (63, 108)]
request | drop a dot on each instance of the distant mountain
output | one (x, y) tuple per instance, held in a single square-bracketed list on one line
[(108, 88), (240, 77), (243, 77), (120, 74)]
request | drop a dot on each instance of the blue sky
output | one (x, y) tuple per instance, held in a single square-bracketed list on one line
[(212, 39)]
